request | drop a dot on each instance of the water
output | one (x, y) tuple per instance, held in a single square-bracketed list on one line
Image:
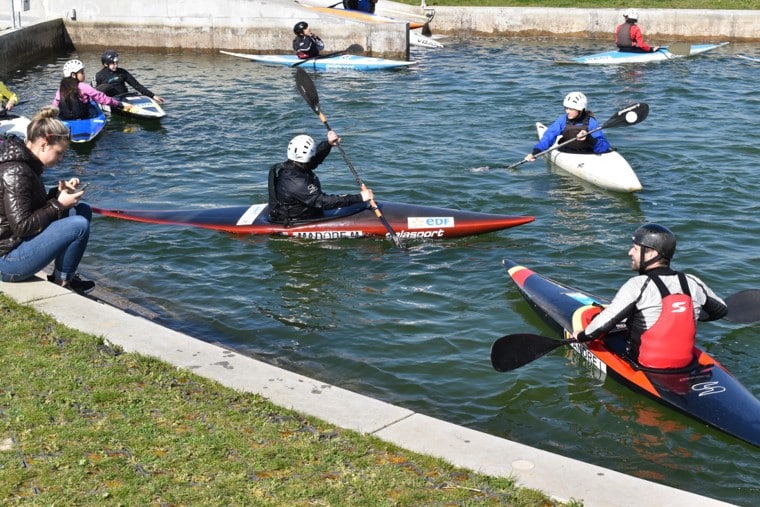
[(414, 328)]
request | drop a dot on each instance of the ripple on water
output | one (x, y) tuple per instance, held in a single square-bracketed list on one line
[(415, 327)]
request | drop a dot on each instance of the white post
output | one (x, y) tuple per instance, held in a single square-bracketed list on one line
[(13, 15)]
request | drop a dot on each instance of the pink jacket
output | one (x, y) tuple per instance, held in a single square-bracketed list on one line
[(87, 93)]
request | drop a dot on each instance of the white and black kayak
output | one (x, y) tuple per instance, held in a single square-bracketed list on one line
[(14, 125), (665, 53), (357, 221), (704, 390), (334, 62), (143, 107), (605, 170)]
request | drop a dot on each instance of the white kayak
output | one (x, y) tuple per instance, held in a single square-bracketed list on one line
[(606, 170), (615, 57), (417, 39), (14, 125)]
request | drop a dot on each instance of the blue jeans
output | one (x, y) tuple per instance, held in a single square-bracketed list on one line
[(63, 240)]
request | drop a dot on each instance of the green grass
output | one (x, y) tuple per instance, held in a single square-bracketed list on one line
[(602, 4), (82, 423)]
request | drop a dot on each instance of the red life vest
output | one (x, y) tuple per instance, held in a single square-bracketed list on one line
[(669, 343)]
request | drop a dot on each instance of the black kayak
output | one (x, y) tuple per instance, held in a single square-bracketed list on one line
[(705, 390)]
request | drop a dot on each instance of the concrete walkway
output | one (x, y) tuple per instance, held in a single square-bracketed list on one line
[(561, 478)]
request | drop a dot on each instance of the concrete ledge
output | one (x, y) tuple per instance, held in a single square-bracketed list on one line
[(560, 477)]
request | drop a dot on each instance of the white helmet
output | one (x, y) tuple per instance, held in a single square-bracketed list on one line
[(72, 67), (631, 14), (576, 100), (301, 149)]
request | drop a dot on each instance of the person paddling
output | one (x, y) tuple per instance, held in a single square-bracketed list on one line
[(577, 121), (306, 44), (360, 5), (8, 99), (113, 80), (628, 36), (295, 192), (74, 95), (660, 306)]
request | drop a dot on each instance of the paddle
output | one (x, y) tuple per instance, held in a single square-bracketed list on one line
[(309, 92), (744, 306), (630, 115), (678, 48), (352, 49), (514, 350)]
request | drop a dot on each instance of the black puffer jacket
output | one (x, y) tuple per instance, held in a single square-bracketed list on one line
[(27, 209)]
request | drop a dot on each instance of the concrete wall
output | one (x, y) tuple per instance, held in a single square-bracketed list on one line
[(663, 24), (17, 46), (247, 25), (266, 25)]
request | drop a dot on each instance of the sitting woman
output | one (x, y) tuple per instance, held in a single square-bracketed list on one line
[(74, 95), (38, 226)]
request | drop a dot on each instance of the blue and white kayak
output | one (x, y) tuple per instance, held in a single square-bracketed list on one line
[(747, 57), (337, 62), (143, 107), (88, 129), (616, 57)]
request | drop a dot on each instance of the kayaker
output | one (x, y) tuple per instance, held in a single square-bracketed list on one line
[(8, 99), (306, 44), (660, 306), (295, 192), (628, 36), (360, 5), (38, 226), (112, 79), (577, 121), (74, 95)]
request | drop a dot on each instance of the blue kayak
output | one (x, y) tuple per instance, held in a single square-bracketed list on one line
[(88, 129), (616, 57), (336, 62)]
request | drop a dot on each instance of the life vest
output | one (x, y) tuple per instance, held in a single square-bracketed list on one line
[(623, 37), (669, 343), (572, 130), (73, 109), (278, 212)]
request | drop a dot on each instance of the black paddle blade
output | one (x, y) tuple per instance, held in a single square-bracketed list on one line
[(306, 88), (354, 49), (631, 115), (744, 306), (514, 350)]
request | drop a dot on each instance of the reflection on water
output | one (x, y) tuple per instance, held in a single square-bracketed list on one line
[(414, 328)]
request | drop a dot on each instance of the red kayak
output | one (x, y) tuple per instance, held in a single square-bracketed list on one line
[(407, 221)]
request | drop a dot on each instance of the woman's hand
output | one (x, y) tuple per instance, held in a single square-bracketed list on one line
[(68, 195)]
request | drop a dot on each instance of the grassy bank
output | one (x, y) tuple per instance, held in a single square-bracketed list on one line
[(82, 423), (602, 4)]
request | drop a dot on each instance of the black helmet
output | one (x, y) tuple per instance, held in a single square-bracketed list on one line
[(109, 57), (657, 238), (300, 27)]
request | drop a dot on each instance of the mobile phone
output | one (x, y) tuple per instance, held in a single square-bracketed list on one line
[(78, 188)]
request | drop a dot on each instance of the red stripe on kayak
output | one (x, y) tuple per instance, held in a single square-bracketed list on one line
[(520, 275)]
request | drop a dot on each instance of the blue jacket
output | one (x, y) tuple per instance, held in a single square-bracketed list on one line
[(596, 143)]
